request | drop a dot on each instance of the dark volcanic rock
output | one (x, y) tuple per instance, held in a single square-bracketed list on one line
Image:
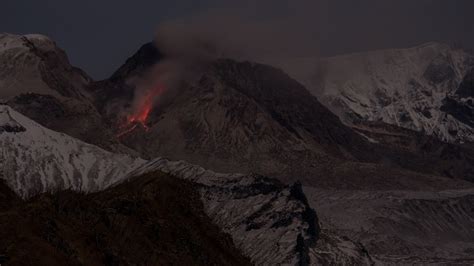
[(466, 88), (145, 57), (439, 71), (116, 91), (288, 102), (462, 111), (457, 105)]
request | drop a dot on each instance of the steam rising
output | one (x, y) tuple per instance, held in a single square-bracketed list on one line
[(223, 34), (190, 44)]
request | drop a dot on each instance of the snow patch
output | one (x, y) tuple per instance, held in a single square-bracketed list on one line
[(37, 159)]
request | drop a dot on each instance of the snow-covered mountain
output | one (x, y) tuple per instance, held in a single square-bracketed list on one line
[(268, 221), (34, 159), (37, 79), (243, 117), (411, 88)]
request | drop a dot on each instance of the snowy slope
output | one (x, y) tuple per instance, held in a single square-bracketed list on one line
[(37, 80), (403, 227), (403, 87), (34, 159), (271, 223)]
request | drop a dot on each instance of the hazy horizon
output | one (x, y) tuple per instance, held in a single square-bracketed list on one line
[(98, 37)]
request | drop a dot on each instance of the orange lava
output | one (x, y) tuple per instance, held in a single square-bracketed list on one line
[(140, 116)]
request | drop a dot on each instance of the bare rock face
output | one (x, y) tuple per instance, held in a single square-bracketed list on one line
[(137, 64), (466, 88), (236, 117)]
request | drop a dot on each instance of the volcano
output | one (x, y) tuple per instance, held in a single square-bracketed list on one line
[(254, 152), (249, 117)]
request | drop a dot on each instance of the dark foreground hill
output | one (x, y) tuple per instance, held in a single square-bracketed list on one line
[(153, 220)]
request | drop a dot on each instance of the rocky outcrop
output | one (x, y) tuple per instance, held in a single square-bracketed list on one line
[(460, 105), (142, 60), (466, 88)]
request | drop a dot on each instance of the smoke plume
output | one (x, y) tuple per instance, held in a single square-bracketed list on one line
[(190, 44)]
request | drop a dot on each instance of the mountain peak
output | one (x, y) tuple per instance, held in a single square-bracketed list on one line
[(145, 57), (12, 41), (34, 63)]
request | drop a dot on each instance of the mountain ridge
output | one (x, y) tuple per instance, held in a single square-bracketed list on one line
[(246, 206), (403, 87), (244, 117)]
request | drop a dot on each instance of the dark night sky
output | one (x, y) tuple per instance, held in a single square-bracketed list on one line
[(99, 35)]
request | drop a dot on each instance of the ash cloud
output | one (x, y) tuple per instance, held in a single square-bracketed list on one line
[(189, 44), (235, 34)]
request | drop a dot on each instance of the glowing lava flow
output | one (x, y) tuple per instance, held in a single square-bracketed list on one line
[(142, 111)]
